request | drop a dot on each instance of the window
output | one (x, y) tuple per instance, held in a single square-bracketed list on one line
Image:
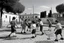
[(6, 16)]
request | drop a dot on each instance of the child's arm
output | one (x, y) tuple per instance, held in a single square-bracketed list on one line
[(56, 27)]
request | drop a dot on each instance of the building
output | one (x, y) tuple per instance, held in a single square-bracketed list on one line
[(56, 15), (28, 16), (7, 17)]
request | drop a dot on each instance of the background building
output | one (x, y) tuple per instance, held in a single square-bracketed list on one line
[(28, 16), (7, 17)]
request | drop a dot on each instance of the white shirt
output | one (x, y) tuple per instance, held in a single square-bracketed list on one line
[(58, 26), (33, 26), (41, 23)]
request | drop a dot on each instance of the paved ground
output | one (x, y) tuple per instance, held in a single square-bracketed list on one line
[(26, 38)]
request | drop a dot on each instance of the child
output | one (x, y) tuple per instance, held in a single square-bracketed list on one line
[(23, 26), (33, 29), (58, 30), (49, 22), (13, 30), (37, 24), (41, 26), (49, 25), (29, 25)]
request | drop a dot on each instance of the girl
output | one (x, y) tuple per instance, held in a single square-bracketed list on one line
[(33, 29), (13, 30)]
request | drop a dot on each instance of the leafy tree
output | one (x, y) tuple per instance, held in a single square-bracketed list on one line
[(17, 9), (5, 3), (10, 6), (60, 8)]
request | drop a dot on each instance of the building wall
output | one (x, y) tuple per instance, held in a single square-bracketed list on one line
[(29, 16), (51, 19), (6, 18)]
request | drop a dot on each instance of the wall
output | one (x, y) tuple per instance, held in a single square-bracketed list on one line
[(6, 20), (45, 20), (61, 19)]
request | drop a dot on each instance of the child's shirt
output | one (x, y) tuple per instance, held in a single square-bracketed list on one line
[(33, 26), (41, 23), (58, 26), (13, 23)]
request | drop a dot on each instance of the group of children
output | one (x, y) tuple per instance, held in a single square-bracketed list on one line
[(32, 25)]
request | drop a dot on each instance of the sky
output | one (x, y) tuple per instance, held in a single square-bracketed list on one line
[(40, 5)]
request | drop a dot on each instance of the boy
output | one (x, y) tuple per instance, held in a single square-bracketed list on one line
[(29, 25), (33, 29), (58, 30), (13, 30), (49, 22), (41, 26), (23, 26)]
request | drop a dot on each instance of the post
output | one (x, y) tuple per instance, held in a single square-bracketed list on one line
[(33, 9), (33, 12), (0, 20)]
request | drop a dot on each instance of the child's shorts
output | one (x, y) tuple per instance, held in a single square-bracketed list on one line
[(13, 29), (33, 31), (59, 31)]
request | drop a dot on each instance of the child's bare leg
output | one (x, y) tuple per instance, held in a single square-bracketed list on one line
[(61, 37), (56, 38), (9, 35), (48, 38)]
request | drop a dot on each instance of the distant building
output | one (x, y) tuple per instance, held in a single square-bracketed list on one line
[(55, 15), (7, 17), (28, 16)]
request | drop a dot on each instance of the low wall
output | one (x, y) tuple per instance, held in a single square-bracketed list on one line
[(51, 19), (61, 19)]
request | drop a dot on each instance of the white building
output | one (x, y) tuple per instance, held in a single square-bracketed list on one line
[(7, 17)]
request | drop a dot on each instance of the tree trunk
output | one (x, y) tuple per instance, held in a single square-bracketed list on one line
[(0, 20), (1, 12)]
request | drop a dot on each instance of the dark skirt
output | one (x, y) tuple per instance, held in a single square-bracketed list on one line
[(13, 29), (33, 31), (41, 27), (59, 31)]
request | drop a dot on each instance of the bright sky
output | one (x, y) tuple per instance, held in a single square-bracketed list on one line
[(40, 5)]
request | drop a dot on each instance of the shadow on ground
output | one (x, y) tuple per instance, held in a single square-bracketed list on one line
[(14, 38)]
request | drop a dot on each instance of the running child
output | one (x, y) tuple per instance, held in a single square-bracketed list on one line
[(41, 26), (13, 24), (58, 30), (33, 29)]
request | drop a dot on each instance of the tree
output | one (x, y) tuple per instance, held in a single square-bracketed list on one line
[(10, 6), (5, 3), (60, 8), (17, 9), (50, 13)]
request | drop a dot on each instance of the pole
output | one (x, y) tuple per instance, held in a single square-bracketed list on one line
[(33, 9), (33, 12)]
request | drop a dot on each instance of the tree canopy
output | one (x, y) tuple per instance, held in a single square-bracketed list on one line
[(18, 8), (60, 8), (11, 6)]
